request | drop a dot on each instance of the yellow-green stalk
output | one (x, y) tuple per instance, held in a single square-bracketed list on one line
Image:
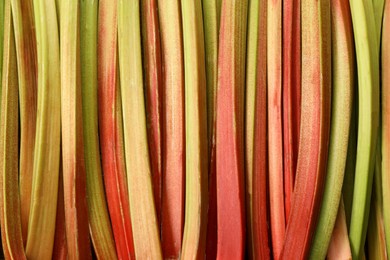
[(1, 37), (74, 176), (99, 220), (368, 121), (195, 222), (23, 17), (42, 220), (142, 209), (343, 66), (11, 232)]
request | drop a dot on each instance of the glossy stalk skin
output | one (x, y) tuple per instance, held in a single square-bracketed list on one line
[(315, 126), (153, 85), (339, 247), (211, 18), (230, 131), (139, 179), (60, 248), (195, 225), (291, 95), (173, 132), (99, 226), (343, 75), (42, 221), (23, 18), (385, 60), (2, 2), (260, 236), (11, 231), (113, 157), (250, 97), (368, 122), (275, 130), (74, 176)]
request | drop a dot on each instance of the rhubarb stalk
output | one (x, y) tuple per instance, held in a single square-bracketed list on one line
[(23, 17), (173, 134), (75, 201), (42, 221), (195, 224), (230, 131), (343, 67), (99, 221), (139, 179), (368, 120), (153, 85), (11, 231), (1, 37), (314, 134)]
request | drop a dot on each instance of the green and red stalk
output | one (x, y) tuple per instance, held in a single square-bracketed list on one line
[(385, 61), (74, 176), (23, 18), (315, 122), (250, 100), (42, 221), (291, 95), (230, 131), (110, 126), (99, 221), (139, 179), (211, 18), (11, 231), (339, 247), (368, 120), (195, 224), (275, 131), (343, 82), (153, 85), (173, 132), (260, 233), (60, 248)]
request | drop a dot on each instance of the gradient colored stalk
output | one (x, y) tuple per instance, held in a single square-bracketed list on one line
[(153, 85), (230, 131), (23, 17), (368, 120), (343, 81), (11, 231), (42, 222), (315, 126), (173, 132), (99, 221), (291, 95), (74, 176)]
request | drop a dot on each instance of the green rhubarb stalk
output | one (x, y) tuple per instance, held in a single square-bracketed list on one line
[(378, 15), (339, 247), (315, 129), (173, 131), (23, 17), (343, 67), (230, 108), (275, 132), (1, 38), (195, 224), (74, 176), (11, 231), (250, 95), (368, 121), (99, 220), (142, 209), (42, 220), (385, 60)]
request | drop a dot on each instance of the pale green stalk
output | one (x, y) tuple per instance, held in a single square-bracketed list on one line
[(195, 223), (368, 121), (1, 39), (42, 221), (142, 209)]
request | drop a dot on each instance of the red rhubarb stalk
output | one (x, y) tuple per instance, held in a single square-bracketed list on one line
[(230, 131), (315, 121)]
